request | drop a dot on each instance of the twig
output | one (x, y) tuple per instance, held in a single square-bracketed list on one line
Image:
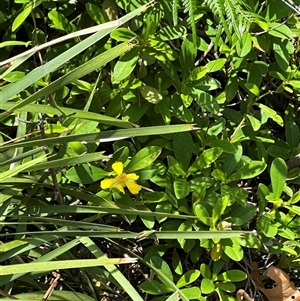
[(241, 293), (205, 53)]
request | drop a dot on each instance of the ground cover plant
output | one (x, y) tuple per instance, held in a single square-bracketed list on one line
[(149, 149)]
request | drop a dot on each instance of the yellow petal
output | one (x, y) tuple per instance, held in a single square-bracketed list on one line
[(118, 167), (133, 187), (132, 176), (108, 183), (120, 187)]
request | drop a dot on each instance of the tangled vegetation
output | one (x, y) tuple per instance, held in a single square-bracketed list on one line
[(150, 150)]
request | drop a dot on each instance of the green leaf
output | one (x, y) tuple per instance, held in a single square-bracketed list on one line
[(232, 249), (278, 174), (189, 277), (168, 33), (202, 214), (62, 264), (154, 287), (225, 145), (207, 286), (292, 134), (95, 13), (282, 55), (266, 227), (205, 271), (248, 171), (244, 45), (215, 65), (253, 89), (232, 276), (85, 174), (123, 34), (280, 31), (181, 188), (219, 209), (151, 94), (143, 158), (255, 123), (125, 65), (19, 20), (60, 21), (207, 101), (162, 266), (183, 148), (196, 74), (205, 159), (188, 53), (55, 295)]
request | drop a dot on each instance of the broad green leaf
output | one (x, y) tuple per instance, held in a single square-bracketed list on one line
[(215, 65), (278, 174), (123, 34), (202, 214), (176, 263), (151, 94), (170, 69), (205, 159), (280, 30), (125, 65), (205, 271), (271, 114), (282, 55), (226, 286), (96, 13), (265, 226), (183, 148), (219, 209), (154, 287), (292, 134), (187, 57), (225, 145), (168, 33), (162, 265), (232, 276), (232, 160), (181, 188), (143, 158), (232, 249), (19, 20), (60, 21), (255, 123), (188, 277), (253, 89), (85, 174), (248, 171), (244, 45), (196, 74), (207, 101), (207, 286)]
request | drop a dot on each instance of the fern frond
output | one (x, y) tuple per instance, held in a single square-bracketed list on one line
[(218, 8), (190, 7), (175, 4)]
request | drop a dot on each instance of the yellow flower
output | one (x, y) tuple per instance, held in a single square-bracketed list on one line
[(122, 180)]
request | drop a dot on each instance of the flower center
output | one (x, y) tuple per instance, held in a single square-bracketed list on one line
[(122, 178)]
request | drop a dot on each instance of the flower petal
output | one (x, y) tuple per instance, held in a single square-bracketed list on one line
[(108, 183), (133, 187), (118, 167), (120, 187), (132, 176)]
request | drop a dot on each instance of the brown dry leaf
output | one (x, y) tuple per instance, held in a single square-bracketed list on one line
[(284, 290)]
